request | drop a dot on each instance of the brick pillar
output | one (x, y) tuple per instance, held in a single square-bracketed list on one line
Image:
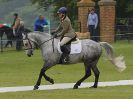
[(83, 7), (107, 20)]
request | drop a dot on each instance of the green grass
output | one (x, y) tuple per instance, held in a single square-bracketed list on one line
[(16, 69), (119, 92)]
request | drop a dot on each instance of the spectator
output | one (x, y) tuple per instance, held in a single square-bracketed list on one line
[(92, 23), (39, 23), (18, 28)]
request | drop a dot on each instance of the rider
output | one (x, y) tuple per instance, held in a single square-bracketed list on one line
[(66, 32)]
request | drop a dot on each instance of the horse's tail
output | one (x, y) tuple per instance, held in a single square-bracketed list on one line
[(117, 61)]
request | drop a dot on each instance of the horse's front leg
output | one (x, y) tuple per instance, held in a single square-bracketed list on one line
[(48, 78), (39, 79), (42, 73)]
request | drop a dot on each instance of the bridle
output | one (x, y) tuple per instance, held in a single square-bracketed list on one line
[(31, 47)]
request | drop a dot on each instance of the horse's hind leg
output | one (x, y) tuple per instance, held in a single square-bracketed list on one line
[(87, 74), (96, 73)]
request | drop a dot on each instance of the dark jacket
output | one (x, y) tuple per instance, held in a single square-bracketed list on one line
[(65, 28)]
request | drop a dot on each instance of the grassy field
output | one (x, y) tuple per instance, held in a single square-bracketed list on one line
[(16, 69), (119, 92)]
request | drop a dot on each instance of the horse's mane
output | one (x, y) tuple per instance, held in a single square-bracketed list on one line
[(45, 34), (38, 36), (39, 33)]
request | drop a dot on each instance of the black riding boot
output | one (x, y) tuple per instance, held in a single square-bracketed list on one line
[(65, 55), (65, 58)]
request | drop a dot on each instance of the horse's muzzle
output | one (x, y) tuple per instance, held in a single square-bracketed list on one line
[(30, 53)]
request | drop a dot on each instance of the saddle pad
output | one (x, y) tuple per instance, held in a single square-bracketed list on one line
[(75, 47)]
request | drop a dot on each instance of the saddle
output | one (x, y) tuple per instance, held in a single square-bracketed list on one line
[(74, 47), (69, 48)]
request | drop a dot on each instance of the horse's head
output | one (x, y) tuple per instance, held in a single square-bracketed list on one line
[(31, 39), (28, 44)]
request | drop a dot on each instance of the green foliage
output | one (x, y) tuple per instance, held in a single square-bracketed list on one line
[(124, 8), (70, 4), (130, 8)]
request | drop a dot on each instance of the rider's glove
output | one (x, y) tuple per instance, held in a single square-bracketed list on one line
[(52, 33), (55, 35)]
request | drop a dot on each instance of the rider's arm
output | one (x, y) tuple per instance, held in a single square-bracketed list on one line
[(45, 22), (58, 28)]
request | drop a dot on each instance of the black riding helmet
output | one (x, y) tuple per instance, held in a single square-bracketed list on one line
[(62, 10)]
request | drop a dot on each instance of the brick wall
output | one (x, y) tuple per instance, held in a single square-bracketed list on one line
[(107, 20), (82, 13), (83, 7)]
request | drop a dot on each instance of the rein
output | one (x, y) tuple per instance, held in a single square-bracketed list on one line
[(41, 43), (47, 41)]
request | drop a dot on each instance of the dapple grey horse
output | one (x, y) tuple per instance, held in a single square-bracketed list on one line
[(90, 54)]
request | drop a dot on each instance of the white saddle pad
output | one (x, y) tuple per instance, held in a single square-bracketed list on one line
[(75, 47)]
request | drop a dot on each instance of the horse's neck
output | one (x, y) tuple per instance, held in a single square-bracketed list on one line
[(38, 37), (44, 39), (47, 45)]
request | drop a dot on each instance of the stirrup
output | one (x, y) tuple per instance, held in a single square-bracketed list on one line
[(65, 60)]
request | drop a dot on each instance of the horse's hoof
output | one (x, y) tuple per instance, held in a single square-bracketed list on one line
[(35, 87), (93, 87), (75, 87), (51, 81)]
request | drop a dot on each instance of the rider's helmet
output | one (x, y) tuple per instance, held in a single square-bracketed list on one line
[(62, 10)]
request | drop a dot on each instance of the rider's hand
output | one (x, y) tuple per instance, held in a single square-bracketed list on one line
[(14, 32), (55, 35), (53, 32)]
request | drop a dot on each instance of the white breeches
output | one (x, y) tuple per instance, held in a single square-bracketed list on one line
[(65, 40)]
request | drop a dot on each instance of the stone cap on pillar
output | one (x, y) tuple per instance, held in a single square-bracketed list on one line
[(86, 3), (107, 2)]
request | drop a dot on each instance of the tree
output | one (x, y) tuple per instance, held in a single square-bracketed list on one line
[(70, 4), (124, 8), (130, 8)]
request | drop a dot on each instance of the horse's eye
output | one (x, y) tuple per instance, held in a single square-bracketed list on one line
[(26, 44)]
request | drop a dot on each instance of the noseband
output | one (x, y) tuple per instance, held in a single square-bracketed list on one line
[(31, 47)]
